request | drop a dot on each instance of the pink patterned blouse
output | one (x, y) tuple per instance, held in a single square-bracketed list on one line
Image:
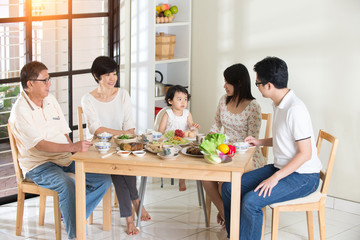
[(238, 126)]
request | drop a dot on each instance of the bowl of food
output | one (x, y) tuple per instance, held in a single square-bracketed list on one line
[(140, 153), (123, 153), (156, 135), (102, 147), (125, 138), (104, 137)]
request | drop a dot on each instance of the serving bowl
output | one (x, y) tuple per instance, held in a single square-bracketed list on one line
[(102, 147), (104, 137), (123, 153), (118, 140), (140, 153)]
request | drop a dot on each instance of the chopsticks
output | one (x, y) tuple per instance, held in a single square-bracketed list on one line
[(108, 154)]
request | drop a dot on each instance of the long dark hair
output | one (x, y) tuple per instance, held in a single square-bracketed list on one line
[(238, 76)]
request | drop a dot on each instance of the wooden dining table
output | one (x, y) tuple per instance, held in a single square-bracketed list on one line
[(151, 165)]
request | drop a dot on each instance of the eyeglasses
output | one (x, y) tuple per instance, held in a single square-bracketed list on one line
[(258, 83), (45, 81)]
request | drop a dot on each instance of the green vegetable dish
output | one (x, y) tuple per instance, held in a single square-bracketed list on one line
[(124, 137), (209, 146)]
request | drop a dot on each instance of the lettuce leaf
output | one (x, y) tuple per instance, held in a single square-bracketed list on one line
[(209, 146)]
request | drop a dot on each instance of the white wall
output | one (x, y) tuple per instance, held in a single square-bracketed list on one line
[(319, 40)]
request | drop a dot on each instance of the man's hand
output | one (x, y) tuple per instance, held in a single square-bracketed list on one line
[(81, 146), (266, 186)]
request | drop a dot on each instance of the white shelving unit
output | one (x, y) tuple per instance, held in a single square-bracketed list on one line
[(176, 70), (143, 62)]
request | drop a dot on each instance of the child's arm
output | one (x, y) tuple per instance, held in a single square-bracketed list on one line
[(163, 122), (191, 122)]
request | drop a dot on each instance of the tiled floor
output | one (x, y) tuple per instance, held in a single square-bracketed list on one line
[(175, 215)]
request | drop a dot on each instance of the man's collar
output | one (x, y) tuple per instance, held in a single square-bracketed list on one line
[(286, 98), (32, 105)]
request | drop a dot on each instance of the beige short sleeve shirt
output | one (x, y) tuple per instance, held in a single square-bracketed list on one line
[(31, 124)]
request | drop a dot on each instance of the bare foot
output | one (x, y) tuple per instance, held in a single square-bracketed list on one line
[(182, 185), (145, 216), (131, 228)]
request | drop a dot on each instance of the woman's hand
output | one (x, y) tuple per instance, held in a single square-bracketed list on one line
[(252, 141), (266, 186)]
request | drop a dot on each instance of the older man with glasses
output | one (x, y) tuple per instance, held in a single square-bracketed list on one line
[(41, 132)]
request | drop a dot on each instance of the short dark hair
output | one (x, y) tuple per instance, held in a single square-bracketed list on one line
[(31, 70), (273, 70), (102, 65), (238, 76), (170, 94)]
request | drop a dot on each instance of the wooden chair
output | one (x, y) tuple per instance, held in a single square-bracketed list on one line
[(312, 202), (26, 186), (267, 117), (81, 137)]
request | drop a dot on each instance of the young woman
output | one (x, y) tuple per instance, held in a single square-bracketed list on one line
[(108, 109), (240, 116)]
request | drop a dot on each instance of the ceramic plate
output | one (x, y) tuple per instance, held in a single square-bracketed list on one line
[(183, 151), (161, 155)]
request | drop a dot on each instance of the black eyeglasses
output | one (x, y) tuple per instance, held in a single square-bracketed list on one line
[(45, 81), (258, 83)]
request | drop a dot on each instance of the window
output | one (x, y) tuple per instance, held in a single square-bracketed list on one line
[(66, 35)]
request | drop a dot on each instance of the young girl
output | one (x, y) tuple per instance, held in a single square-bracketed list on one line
[(177, 117)]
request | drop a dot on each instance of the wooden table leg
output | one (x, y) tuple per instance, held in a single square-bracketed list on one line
[(80, 201), (235, 205), (107, 210)]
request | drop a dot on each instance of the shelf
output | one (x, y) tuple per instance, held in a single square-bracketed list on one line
[(173, 24), (174, 60), (160, 98)]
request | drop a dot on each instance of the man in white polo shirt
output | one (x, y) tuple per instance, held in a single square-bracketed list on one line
[(41, 134), (296, 169)]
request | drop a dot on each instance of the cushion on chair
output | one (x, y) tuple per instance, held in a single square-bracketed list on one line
[(312, 198)]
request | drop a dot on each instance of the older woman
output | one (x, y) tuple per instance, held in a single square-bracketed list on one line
[(108, 109), (239, 115)]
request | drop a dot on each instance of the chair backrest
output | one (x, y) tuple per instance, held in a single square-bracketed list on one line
[(325, 176), (80, 124), (15, 153), (159, 117), (267, 117)]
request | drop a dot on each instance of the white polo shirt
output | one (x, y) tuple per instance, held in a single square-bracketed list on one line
[(292, 123), (30, 124)]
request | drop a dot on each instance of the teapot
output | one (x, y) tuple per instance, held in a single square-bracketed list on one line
[(159, 86)]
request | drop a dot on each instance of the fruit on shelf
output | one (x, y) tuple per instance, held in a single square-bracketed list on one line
[(167, 13), (174, 9), (165, 7)]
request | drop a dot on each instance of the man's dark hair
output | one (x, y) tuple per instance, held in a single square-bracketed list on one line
[(102, 65), (273, 70), (31, 70), (238, 76), (171, 93)]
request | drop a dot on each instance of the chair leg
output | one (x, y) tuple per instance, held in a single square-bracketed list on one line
[(321, 214), (208, 207), (57, 218), (275, 223), (263, 224), (142, 195), (42, 206), (91, 219), (310, 224), (19, 212)]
